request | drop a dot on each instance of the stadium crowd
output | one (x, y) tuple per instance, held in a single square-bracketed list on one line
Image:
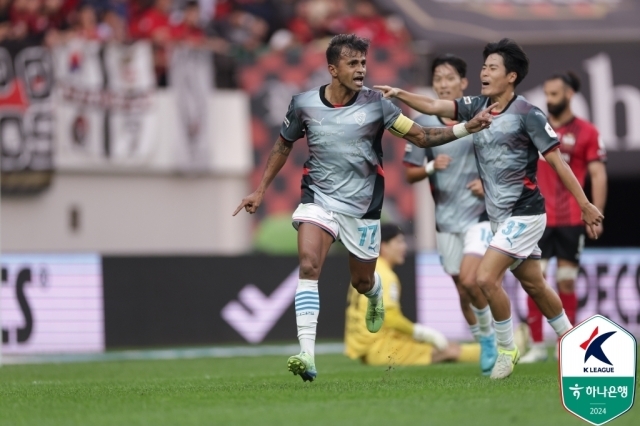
[(236, 31)]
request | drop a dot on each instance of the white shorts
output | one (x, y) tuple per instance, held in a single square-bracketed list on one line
[(360, 236), (453, 246), (518, 237)]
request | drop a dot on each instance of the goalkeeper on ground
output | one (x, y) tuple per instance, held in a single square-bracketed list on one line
[(400, 341)]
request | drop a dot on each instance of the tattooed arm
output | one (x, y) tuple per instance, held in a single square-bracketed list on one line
[(426, 137), (277, 158)]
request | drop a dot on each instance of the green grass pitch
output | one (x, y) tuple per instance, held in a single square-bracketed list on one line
[(259, 391)]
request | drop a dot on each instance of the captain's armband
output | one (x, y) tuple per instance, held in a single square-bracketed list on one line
[(401, 126)]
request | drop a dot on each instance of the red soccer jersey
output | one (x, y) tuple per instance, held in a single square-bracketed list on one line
[(580, 144)]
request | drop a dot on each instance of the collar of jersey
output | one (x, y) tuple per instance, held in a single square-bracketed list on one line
[(495, 114), (329, 104)]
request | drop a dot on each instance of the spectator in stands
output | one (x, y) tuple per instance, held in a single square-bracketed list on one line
[(367, 22)]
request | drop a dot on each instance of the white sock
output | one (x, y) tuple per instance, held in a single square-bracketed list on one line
[(560, 324), (307, 309), (475, 331), (484, 320), (376, 291), (504, 334)]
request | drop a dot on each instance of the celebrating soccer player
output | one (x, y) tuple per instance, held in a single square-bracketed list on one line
[(343, 181), (507, 156), (582, 148), (400, 341), (462, 224)]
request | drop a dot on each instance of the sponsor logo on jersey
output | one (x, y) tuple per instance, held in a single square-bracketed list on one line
[(467, 100), (569, 139), (550, 131)]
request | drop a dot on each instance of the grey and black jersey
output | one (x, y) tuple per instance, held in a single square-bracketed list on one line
[(344, 171), (507, 155), (456, 207)]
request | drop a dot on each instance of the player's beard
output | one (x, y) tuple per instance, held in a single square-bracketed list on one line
[(557, 109)]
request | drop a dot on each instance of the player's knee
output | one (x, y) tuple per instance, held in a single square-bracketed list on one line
[(566, 277), (362, 284), (309, 266), (487, 283)]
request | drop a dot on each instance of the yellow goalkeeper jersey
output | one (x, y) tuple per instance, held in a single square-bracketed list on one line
[(357, 338)]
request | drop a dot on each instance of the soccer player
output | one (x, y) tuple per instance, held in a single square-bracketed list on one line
[(507, 156), (400, 341), (343, 181), (462, 224), (582, 148)]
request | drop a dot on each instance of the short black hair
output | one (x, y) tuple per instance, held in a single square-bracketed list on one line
[(389, 231), (515, 60), (455, 61), (351, 41), (569, 78)]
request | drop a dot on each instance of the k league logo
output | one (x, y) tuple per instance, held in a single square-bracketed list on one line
[(598, 364)]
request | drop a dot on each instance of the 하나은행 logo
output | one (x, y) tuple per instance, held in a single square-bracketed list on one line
[(598, 364)]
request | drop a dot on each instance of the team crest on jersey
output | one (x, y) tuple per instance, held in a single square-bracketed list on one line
[(359, 117), (550, 131), (569, 139)]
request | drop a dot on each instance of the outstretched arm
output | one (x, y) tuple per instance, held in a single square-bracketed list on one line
[(590, 213), (426, 137), (277, 158), (421, 103)]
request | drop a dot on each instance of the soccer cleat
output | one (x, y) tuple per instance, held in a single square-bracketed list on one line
[(488, 353), (537, 353), (375, 316), (507, 360), (303, 366)]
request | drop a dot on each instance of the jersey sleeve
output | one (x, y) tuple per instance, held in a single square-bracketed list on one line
[(413, 155), (595, 149), (390, 112), (292, 127), (540, 131), (468, 106)]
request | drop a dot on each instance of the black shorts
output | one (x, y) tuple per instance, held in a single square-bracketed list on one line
[(563, 242)]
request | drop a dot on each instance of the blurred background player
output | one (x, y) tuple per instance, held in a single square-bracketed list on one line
[(342, 182), (400, 341), (563, 238), (462, 224), (507, 156)]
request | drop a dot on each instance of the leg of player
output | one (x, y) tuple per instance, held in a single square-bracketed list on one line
[(491, 271), (313, 246), (566, 276), (465, 307), (366, 280), (530, 276), (480, 307), (538, 351)]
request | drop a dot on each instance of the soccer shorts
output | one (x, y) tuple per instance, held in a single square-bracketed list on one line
[(563, 242), (452, 247), (361, 237), (518, 237), (395, 348)]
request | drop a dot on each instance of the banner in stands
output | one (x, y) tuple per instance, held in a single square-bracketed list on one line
[(190, 80), (162, 301), (609, 95), (104, 105), (26, 125), (51, 304), (271, 82), (608, 284)]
